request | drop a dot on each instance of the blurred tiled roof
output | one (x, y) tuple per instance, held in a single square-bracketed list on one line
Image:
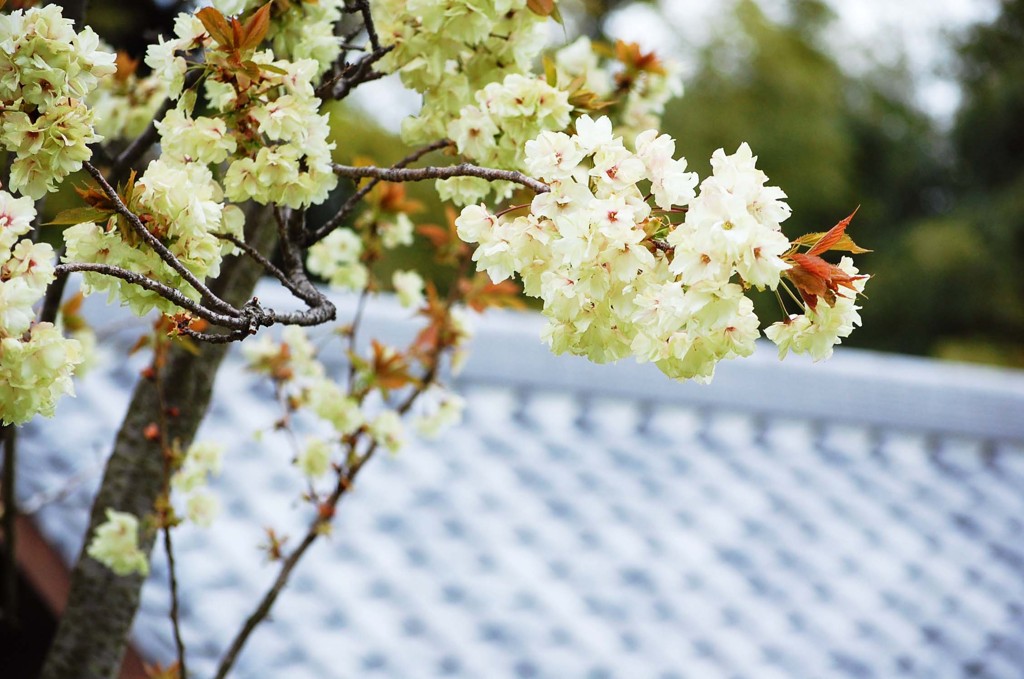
[(859, 518)]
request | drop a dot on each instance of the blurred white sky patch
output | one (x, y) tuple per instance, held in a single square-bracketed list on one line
[(867, 33), (388, 101)]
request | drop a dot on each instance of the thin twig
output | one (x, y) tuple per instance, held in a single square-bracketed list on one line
[(215, 338), (371, 31), (660, 244), (175, 621), (349, 76), (285, 232), (352, 76), (354, 200), (165, 446), (422, 151), (267, 265), (353, 334), (391, 174)]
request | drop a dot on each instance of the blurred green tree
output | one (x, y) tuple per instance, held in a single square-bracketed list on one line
[(954, 272), (945, 212)]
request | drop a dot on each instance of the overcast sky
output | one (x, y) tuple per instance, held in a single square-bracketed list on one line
[(866, 31)]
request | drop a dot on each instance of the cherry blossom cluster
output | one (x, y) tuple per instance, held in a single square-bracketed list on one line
[(618, 277), (817, 330), (447, 50), (271, 128), (272, 137), (495, 130), (46, 72), (36, 361), (202, 460), (384, 225), (338, 260), (115, 544)]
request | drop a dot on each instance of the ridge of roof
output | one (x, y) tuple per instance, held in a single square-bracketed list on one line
[(854, 386)]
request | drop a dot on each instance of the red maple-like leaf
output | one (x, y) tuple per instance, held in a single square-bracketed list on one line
[(815, 278), (832, 236)]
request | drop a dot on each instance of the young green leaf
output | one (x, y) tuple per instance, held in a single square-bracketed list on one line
[(79, 215)]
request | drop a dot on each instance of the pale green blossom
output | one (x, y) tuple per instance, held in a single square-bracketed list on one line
[(387, 431), (314, 460), (409, 288), (115, 544)]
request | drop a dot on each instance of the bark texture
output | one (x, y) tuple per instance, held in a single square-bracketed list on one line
[(93, 632)]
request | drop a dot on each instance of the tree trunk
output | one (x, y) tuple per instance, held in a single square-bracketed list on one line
[(93, 632)]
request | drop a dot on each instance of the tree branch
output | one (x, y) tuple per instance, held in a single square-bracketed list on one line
[(172, 578), (353, 201), (268, 266), (165, 291), (371, 32), (391, 174), (352, 75)]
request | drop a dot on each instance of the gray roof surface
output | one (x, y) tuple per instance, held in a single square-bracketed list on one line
[(860, 518)]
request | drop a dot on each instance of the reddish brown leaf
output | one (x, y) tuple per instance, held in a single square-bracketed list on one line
[(438, 236), (158, 671), (389, 197), (634, 58), (814, 265), (390, 368), (814, 278), (844, 244), (126, 66), (216, 25), (255, 29), (236, 34), (140, 344), (541, 7), (274, 545), (73, 305), (481, 293), (427, 340), (833, 236)]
